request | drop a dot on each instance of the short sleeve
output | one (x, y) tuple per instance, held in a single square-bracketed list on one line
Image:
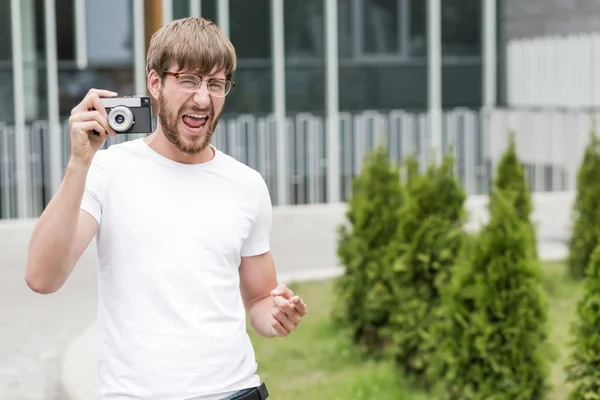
[(95, 188), (258, 242)]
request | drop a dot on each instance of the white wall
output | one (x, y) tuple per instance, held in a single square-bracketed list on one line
[(554, 71), (304, 237)]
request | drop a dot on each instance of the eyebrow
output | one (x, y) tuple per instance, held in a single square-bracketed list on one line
[(200, 75)]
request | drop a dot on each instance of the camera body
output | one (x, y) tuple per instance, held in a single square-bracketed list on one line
[(129, 114)]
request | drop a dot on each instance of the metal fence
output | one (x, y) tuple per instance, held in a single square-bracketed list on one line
[(550, 143)]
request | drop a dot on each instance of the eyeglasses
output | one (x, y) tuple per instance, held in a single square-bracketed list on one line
[(190, 83)]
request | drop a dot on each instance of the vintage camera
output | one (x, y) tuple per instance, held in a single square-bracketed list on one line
[(129, 114)]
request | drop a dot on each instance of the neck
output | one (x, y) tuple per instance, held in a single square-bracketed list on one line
[(158, 142)]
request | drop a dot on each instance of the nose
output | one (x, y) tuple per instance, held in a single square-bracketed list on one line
[(202, 96)]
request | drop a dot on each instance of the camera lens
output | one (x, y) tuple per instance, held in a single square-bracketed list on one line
[(120, 118)]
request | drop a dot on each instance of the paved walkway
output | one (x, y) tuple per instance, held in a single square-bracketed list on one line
[(34, 329)]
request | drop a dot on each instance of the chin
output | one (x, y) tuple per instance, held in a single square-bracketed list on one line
[(192, 143)]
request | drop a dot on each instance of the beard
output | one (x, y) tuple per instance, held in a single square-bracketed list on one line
[(169, 120)]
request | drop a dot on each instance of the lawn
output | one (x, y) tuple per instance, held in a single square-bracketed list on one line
[(316, 362)]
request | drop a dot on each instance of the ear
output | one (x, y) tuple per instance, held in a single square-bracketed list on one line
[(154, 83)]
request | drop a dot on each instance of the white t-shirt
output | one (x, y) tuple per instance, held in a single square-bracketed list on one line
[(171, 321)]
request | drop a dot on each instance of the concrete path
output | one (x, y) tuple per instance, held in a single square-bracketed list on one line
[(35, 329)]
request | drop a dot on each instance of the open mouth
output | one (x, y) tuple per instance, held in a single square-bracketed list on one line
[(195, 122)]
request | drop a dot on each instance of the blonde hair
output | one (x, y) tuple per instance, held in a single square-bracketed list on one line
[(194, 44)]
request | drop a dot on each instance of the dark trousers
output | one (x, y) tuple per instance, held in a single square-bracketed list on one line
[(257, 393)]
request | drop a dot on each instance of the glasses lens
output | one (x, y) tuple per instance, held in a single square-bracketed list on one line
[(189, 82), (216, 87), (219, 87)]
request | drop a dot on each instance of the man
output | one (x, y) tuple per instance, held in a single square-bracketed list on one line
[(182, 233)]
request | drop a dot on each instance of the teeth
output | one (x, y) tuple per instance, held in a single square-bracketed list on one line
[(197, 116)]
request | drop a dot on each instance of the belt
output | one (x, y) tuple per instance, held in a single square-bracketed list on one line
[(258, 393)]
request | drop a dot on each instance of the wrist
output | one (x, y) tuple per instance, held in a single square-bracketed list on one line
[(76, 165), (261, 317)]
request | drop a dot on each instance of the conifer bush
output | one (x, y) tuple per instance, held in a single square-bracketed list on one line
[(586, 213), (429, 240), (363, 248), (584, 367), (511, 181), (493, 342)]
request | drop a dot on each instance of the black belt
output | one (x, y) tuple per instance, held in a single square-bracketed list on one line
[(258, 393)]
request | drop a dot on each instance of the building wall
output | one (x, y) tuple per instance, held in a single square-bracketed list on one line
[(529, 18), (382, 54), (383, 66)]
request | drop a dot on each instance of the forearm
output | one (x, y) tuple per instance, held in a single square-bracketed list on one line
[(51, 245), (261, 317)]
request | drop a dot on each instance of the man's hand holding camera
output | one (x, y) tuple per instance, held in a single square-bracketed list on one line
[(88, 126)]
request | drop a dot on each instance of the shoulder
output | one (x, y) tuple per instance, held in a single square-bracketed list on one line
[(244, 175), (115, 154)]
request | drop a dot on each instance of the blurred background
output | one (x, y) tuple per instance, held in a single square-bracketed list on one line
[(375, 79), (319, 84)]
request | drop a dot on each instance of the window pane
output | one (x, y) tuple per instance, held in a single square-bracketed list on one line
[(461, 84), (109, 51), (304, 29), (418, 28), (255, 17), (370, 82), (345, 29), (181, 8), (305, 89), (7, 106), (209, 10), (461, 27), (253, 90), (383, 87), (380, 26), (305, 48), (5, 31), (65, 29), (109, 46)]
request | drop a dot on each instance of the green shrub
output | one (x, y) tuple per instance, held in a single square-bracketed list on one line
[(429, 239), (363, 248), (586, 213), (584, 368), (437, 191), (493, 340), (511, 181)]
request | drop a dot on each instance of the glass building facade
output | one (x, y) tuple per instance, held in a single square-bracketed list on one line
[(382, 58), (382, 53)]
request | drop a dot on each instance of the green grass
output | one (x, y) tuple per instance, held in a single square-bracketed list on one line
[(317, 362), (563, 294)]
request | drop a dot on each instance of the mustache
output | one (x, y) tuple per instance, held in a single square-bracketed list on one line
[(195, 110)]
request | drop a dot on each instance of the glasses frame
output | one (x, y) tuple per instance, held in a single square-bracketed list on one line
[(178, 75)]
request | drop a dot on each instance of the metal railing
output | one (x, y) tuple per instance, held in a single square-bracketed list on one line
[(550, 143)]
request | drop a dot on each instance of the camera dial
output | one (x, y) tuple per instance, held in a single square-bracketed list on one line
[(120, 118)]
